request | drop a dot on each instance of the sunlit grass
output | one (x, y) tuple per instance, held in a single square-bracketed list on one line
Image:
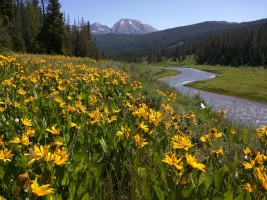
[(244, 82)]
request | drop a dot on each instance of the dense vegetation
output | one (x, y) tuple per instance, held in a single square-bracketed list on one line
[(75, 128), (35, 26), (240, 47)]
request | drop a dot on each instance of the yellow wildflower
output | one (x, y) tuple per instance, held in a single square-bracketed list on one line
[(58, 143), (203, 138), (112, 119), (15, 141), (192, 161), (71, 109), (41, 190), (181, 142), (247, 151), (261, 132), (143, 127), (53, 130), (21, 92), (214, 134), (221, 112), (26, 122), (38, 152), (60, 156), (262, 177), (2, 144), (140, 142), (259, 158), (29, 132), (124, 133), (218, 151), (248, 165), (28, 100), (5, 155), (61, 88), (24, 140), (248, 187), (2, 109), (173, 161), (233, 131), (60, 160), (167, 108)]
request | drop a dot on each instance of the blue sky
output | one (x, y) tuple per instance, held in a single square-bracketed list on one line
[(165, 14)]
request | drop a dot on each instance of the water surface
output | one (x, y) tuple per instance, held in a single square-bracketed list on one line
[(239, 110)]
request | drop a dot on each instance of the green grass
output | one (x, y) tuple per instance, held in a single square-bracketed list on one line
[(160, 72), (244, 82)]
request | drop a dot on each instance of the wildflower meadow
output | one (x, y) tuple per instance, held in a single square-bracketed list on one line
[(72, 128)]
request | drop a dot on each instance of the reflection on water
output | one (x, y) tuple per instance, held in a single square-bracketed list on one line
[(239, 110)]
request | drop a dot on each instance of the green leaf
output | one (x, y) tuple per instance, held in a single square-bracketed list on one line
[(86, 197), (75, 173), (204, 178), (217, 198), (228, 195), (218, 178), (145, 190), (240, 196), (80, 190), (2, 172), (104, 145), (159, 192), (65, 179), (59, 197), (248, 197), (141, 171), (72, 190), (187, 191)]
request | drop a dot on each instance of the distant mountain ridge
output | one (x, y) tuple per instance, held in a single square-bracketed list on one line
[(97, 28), (112, 44), (123, 26)]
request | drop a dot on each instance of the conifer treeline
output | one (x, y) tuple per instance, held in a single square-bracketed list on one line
[(38, 26), (236, 48), (241, 47), (245, 45)]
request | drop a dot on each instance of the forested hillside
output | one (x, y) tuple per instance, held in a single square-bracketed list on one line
[(204, 40), (35, 26), (240, 47)]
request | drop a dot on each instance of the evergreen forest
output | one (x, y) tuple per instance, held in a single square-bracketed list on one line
[(38, 26)]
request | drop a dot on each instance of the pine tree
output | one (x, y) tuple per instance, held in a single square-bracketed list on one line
[(33, 23), (6, 11), (53, 31), (5, 40)]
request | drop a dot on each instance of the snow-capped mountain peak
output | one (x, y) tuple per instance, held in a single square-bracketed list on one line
[(131, 26), (123, 26)]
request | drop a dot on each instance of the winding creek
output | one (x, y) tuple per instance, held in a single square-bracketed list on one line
[(239, 110)]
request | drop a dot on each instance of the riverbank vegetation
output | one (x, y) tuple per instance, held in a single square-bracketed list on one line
[(74, 128), (244, 82)]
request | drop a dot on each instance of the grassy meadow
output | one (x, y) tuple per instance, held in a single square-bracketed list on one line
[(244, 82), (74, 128)]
